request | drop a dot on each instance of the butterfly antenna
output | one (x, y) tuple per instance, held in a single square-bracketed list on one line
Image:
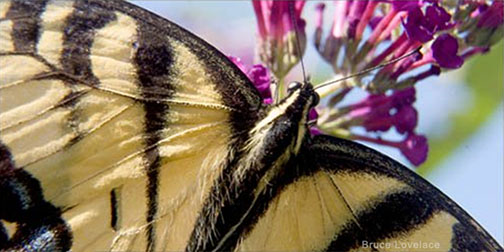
[(296, 33), (365, 71)]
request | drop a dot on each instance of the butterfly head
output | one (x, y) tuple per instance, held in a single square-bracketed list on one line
[(305, 91), (290, 116)]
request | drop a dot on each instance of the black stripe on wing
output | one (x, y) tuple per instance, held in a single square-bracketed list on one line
[(235, 88), (398, 212), (154, 71), (154, 61), (25, 31), (80, 28)]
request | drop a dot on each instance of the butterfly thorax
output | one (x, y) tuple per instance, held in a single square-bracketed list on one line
[(273, 144), (279, 135), (286, 120)]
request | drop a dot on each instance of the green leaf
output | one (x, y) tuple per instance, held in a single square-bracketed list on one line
[(484, 78)]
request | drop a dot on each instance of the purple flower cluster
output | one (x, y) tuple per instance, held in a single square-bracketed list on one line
[(446, 33), (380, 112), (277, 21), (365, 34)]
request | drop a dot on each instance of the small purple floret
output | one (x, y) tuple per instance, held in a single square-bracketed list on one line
[(260, 76), (415, 148), (417, 27), (438, 18), (444, 51), (406, 119)]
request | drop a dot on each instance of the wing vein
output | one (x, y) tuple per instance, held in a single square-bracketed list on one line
[(137, 153), (333, 182), (323, 208), (46, 110), (83, 134)]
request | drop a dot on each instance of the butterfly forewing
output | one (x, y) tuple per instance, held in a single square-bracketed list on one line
[(121, 116)]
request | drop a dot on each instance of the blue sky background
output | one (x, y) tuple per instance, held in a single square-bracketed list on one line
[(472, 176)]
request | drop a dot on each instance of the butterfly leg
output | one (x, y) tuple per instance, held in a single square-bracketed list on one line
[(39, 226)]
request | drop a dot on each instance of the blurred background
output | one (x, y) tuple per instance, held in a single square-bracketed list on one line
[(460, 112)]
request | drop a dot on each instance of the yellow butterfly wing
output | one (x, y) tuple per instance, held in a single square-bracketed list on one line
[(122, 118), (351, 198)]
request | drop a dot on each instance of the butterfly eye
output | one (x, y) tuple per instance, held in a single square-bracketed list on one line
[(293, 86)]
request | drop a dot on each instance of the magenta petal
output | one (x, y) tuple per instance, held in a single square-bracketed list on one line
[(444, 51), (260, 76), (374, 21), (371, 101), (438, 18), (277, 11), (415, 148), (298, 6), (268, 101), (406, 119), (379, 122), (417, 27), (493, 16), (359, 112), (280, 17), (315, 131), (402, 5), (312, 115), (404, 97), (354, 16), (260, 14), (374, 113)]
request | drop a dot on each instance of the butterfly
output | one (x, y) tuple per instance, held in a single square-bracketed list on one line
[(120, 130)]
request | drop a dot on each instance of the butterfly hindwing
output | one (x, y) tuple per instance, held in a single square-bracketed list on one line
[(351, 198), (103, 105)]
